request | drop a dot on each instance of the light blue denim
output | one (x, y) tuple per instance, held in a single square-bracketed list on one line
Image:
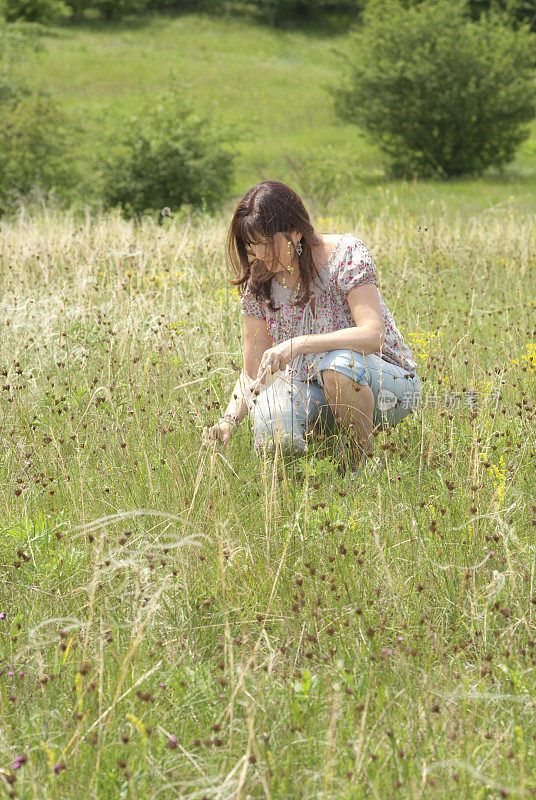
[(286, 410)]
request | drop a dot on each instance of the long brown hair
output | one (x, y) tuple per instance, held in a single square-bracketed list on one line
[(268, 208)]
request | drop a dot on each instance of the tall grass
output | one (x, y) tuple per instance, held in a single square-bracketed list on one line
[(184, 623)]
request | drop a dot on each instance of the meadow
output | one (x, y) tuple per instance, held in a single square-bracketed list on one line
[(274, 87), (190, 624), (209, 625)]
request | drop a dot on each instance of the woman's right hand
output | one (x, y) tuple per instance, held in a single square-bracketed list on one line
[(220, 432)]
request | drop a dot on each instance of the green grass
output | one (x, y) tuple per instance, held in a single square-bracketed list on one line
[(274, 85), (195, 625), (187, 624)]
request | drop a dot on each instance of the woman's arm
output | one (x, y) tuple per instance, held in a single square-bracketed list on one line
[(237, 404), (256, 340), (366, 337)]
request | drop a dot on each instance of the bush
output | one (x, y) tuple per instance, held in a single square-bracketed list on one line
[(166, 157), (34, 139), (108, 10), (44, 11), (518, 11), (515, 11), (440, 94), (35, 135)]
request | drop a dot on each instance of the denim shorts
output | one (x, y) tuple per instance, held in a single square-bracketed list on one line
[(286, 410)]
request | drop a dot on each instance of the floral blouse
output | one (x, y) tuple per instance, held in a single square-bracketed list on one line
[(349, 265)]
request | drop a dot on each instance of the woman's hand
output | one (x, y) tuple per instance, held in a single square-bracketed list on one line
[(220, 432), (278, 357)]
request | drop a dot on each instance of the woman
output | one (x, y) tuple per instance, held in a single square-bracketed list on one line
[(312, 308)]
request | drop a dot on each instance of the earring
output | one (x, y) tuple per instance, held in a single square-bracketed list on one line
[(299, 248)]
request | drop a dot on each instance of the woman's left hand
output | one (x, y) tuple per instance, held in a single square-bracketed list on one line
[(278, 357)]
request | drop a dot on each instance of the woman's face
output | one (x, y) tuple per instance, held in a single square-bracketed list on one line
[(260, 250)]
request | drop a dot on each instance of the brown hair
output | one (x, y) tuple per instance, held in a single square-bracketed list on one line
[(268, 208)]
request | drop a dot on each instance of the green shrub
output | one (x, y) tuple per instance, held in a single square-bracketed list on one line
[(515, 11), (35, 136), (16, 40), (34, 141), (109, 10), (439, 93), (519, 11), (167, 156), (44, 11)]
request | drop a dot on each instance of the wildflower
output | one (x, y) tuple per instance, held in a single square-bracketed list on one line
[(59, 767), (530, 357)]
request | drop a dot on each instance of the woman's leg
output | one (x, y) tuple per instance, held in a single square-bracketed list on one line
[(353, 406), (285, 411), (367, 392)]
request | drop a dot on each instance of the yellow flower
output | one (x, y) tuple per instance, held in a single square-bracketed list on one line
[(530, 356), (424, 341), (500, 482), (223, 297)]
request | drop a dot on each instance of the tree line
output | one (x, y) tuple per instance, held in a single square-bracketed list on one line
[(275, 12)]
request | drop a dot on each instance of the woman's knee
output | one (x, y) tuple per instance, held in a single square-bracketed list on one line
[(275, 423), (332, 379), (347, 363), (393, 409)]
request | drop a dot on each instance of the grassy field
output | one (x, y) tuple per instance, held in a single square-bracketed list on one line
[(286, 129), (182, 624)]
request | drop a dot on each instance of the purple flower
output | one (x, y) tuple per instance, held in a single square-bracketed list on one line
[(2, 615)]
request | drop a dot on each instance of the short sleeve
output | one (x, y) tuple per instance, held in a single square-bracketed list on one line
[(250, 305), (357, 268)]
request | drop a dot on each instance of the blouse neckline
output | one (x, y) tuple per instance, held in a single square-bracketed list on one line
[(322, 279)]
